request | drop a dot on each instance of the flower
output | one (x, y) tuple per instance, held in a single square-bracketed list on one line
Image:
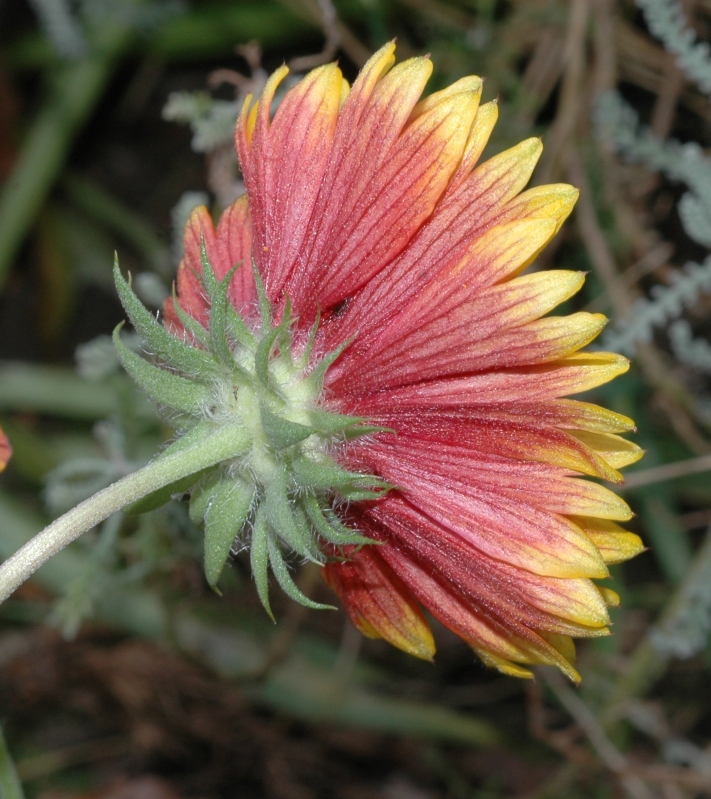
[(5, 450), (400, 383)]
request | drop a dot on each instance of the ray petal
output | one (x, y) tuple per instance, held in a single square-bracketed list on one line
[(571, 375), (5, 450), (378, 602), (616, 544), (616, 451), (284, 168), (403, 192), (512, 641), (444, 241)]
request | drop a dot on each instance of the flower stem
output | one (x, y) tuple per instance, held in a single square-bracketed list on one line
[(227, 443)]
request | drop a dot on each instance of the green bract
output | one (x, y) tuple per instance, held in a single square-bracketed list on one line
[(279, 494)]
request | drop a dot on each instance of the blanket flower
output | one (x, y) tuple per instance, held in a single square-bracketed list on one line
[(5, 450), (403, 389)]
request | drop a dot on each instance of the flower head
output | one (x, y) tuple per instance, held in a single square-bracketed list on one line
[(362, 313), (5, 450)]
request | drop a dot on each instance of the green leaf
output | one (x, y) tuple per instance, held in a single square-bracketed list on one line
[(328, 526), (281, 572), (265, 308), (333, 424), (365, 430), (208, 277), (259, 559), (196, 330), (201, 495), (281, 520), (303, 359), (328, 423), (281, 432), (227, 512), (266, 345), (262, 356), (217, 290), (327, 474), (165, 387), (284, 336), (177, 353), (362, 494), (239, 330), (321, 474), (319, 372)]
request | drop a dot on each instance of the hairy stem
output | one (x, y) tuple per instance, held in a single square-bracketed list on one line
[(225, 444)]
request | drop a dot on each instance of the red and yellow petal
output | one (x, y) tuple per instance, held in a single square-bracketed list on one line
[(537, 342), (541, 341), (5, 450), (189, 289), (378, 603), (511, 641), (481, 130), (478, 437), (569, 496), (358, 181), (284, 161), (565, 606), (506, 528), (562, 414), (497, 254), (496, 310), (616, 451), (555, 201), (233, 246), (402, 193), (454, 238), (571, 375), (616, 544), (573, 414), (545, 487), (226, 247), (502, 177)]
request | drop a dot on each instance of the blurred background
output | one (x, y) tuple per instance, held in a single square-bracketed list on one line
[(122, 676)]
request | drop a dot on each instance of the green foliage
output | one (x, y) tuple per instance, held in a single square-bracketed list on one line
[(229, 507), (63, 29), (618, 126), (166, 388), (179, 354), (10, 787), (212, 121), (668, 22)]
